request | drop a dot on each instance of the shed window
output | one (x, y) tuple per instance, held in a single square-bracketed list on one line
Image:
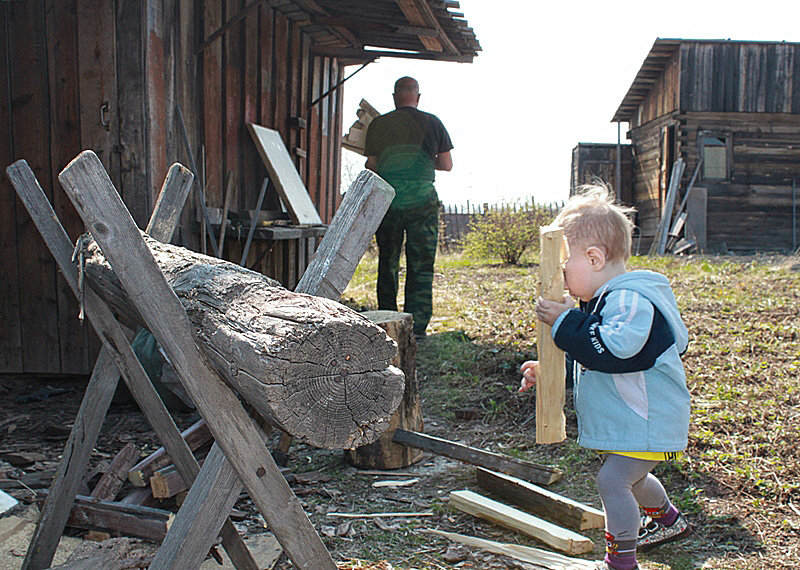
[(715, 158)]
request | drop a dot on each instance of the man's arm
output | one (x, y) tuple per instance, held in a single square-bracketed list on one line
[(444, 161), (372, 163)]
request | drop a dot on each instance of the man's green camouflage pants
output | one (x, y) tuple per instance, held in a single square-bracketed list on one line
[(421, 228)]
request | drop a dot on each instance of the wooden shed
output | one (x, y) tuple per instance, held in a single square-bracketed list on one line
[(734, 108), (608, 162), (118, 77)]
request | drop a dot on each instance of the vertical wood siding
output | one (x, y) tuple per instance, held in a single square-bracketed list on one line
[(68, 59)]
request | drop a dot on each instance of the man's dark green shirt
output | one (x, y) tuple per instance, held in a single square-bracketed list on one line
[(406, 142)]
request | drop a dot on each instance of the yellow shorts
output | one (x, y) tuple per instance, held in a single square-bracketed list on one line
[(648, 455)]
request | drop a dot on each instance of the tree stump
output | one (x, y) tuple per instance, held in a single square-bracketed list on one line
[(383, 453)]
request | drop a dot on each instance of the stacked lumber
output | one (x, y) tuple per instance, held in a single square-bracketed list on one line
[(356, 137), (536, 501)]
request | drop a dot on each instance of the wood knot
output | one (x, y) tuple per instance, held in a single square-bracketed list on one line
[(261, 471)]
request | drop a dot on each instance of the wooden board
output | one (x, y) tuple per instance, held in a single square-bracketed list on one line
[(536, 556), (551, 425), (540, 501), (542, 474), (559, 538), (284, 175)]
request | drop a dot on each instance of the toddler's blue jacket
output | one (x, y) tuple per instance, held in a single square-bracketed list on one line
[(631, 392)]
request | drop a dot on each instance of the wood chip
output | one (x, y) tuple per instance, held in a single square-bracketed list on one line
[(404, 483)]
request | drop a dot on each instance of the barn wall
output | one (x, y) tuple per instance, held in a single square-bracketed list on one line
[(753, 210), (108, 76), (664, 96), (591, 161), (740, 77)]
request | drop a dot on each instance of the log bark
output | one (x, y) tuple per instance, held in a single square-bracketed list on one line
[(314, 368)]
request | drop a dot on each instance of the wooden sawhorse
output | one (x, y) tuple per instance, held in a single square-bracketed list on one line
[(239, 455)]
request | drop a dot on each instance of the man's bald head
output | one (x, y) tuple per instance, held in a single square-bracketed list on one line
[(406, 92)]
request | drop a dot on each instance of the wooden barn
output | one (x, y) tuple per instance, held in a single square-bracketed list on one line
[(128, 79), (731, 111), (608, 162)]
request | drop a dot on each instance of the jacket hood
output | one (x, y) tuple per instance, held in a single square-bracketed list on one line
[(656, 289)]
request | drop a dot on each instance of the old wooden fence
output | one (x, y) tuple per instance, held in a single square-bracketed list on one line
[(457, 220)]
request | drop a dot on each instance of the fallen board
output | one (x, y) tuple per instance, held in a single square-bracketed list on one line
[(540, 501), (542, 474), (284, 175), (552, 535), (537, 556)]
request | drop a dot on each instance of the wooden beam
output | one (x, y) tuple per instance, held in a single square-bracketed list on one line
[(416, 15), (542, 474), (111, 481), (101, 207), (554, 536), (118, 518), (538, 556), (364, 55), (209, 502), (540, 501), (550, 386), (167, 482), (195, 437)]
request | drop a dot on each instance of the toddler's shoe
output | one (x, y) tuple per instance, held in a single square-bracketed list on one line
[(653, 534)]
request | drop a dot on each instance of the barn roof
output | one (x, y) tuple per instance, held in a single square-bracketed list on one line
[(652, 67), (360, 30)]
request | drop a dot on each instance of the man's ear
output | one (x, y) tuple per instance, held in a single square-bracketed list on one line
[(596, 257)]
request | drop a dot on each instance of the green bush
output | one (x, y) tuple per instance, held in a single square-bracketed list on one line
[(507, 231)]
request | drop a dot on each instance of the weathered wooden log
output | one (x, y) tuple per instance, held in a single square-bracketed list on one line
[(316, 369), (384, 453)]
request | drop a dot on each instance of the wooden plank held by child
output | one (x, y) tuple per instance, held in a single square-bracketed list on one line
[(550, 386)]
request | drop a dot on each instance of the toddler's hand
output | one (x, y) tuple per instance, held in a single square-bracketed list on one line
[(549, 311), (530, 372)]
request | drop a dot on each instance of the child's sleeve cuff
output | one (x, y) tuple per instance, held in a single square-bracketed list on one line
[(558, 322)]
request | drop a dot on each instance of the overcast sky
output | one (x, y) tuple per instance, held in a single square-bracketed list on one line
[(550, 75)]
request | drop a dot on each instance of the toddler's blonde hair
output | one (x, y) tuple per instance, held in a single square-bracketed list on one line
[(592, 218)]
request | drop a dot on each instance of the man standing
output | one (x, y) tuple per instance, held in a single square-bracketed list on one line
[(405, 148)]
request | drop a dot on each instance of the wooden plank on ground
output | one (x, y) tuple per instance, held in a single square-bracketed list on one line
[(284, 175), (552, 535), (537, 556), (541, 474), (540, 501), (551, 424), (118, 518), (104, 213), (195, 437)]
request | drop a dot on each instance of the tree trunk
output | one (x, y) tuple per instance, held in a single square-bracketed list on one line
[(383, 453), (316, 369)]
